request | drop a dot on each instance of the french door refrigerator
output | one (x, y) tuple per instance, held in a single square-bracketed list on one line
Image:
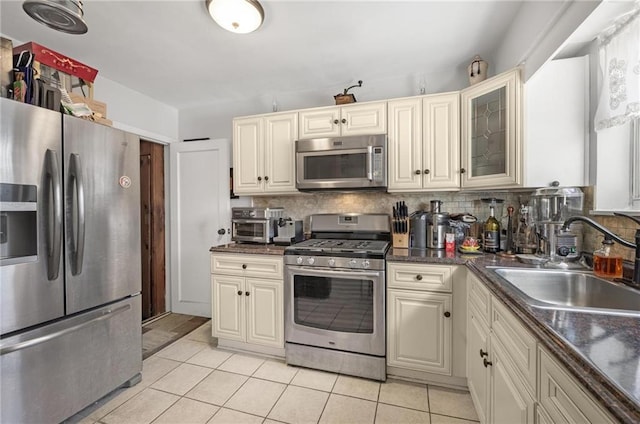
[(70, 273)]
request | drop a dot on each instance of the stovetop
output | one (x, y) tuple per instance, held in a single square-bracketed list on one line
[(340, 248)]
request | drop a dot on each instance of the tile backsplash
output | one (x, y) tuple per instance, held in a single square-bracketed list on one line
[(303, 205)]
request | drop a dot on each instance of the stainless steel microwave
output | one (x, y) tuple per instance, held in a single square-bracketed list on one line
[(342, 163)]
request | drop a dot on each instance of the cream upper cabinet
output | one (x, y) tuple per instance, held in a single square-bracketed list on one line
[(335, 121), (491, 132), (424, 143), (556, 125), (264, 154)]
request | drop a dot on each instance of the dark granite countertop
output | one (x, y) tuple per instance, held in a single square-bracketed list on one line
[(246, 248), (601, 351)]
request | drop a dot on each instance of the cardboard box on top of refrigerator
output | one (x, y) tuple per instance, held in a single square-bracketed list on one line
[(56, 60)]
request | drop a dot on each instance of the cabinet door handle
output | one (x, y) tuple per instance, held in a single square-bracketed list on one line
[(335, 121), (246, 293), (462, 170), (344, 121), (259, 178), (447, 314), (417, 172), (244, 266), (426, 171), (483, 354), (266, 178), (486, 363), (239, 292), (419, 277)]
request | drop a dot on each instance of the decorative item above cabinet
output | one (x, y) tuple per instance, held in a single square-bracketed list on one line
[(335, 121)]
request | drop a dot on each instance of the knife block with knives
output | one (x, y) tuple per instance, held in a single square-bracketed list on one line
[(400, 225)]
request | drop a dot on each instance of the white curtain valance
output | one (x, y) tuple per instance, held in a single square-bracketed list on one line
[(619, 82)]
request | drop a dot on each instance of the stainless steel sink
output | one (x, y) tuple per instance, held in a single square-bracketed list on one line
[(572, 290)]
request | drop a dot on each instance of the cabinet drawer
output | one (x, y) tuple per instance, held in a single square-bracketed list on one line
[(563, 399), (519, 344), (419, 277), (480, 297), (247, 265)]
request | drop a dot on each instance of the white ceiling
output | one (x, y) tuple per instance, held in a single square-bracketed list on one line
[(174, 52)]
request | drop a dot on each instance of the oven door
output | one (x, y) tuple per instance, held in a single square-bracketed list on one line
[(252, 230), (340, 310)]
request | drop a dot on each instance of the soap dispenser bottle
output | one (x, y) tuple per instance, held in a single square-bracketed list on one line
[(606, 264)]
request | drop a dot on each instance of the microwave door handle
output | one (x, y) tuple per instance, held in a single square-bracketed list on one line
[(370, 163)]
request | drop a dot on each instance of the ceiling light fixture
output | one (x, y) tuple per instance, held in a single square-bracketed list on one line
[(61, 15), (239, 16)]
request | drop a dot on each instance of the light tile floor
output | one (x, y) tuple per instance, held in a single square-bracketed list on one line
[(192, 381)]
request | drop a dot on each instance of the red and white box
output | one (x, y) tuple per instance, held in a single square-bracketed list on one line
[(52, 58)]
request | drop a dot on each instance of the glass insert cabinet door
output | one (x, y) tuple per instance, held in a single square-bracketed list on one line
[(491, 132)]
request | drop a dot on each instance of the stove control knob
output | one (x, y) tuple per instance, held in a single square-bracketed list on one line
[(332, 262), (310, 261), (366, 263), (299, 260), (353, 263)]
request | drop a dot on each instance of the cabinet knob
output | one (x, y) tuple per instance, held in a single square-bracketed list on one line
[(417, 172), (266, 178), (335, 121), (246, 293), (244, 266), (462, 170), (419, 277), (426, 171), (259, 178), (483, 353), (486, 363), (344, 121), (239, 292), (221, 231), (447, 314)]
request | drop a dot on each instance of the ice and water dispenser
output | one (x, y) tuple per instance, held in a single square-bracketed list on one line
[(18, 223)]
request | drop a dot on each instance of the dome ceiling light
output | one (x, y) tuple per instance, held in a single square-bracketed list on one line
[(239, 16), (61, 15)]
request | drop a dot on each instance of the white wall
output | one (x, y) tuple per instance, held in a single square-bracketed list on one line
[(132, 111), (538, 31)]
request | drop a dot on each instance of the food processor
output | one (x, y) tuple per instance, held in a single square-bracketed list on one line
[(552, 206)]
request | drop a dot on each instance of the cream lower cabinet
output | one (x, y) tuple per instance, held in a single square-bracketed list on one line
[(500, 356), (510, 377), (421, 316), (247, 301), (264, 154), (424, 143)]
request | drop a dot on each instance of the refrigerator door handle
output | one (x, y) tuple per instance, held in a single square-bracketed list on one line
[(75, 190), (104, 315), (53, 192)]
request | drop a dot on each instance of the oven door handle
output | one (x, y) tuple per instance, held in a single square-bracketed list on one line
[(324, 272), (250, 221)]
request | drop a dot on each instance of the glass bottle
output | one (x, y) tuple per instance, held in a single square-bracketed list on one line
[(604, 263), (491, 233)]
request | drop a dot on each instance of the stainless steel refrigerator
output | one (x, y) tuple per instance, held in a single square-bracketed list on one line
[(70, 273)]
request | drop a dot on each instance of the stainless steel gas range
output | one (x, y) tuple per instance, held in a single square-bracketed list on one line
[(335, 295)]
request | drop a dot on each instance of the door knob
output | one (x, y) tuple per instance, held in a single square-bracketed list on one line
[(447, 314), (259, 178), (221, 231), (483, 353), (266, 178), (239, 292), (486, 363), (426, 171), (246, 293), (419, 277), (417, 172), (335, 121), (244, 266), (462, 170), (344, 121)]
